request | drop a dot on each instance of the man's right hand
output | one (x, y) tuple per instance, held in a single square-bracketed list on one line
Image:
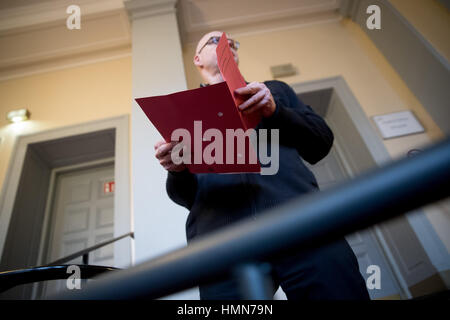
[(163, 150)]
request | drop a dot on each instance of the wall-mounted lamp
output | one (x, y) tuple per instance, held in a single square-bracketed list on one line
[(18, 115)]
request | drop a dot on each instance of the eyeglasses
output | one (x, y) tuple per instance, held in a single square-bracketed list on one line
[(215, 40)]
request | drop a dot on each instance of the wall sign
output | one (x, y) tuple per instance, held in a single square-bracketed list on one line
[(397, 124)]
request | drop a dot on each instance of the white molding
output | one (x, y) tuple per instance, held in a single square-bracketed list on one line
[(113, 40), (433, 245), (266, 27), (146, 8), (70, 62), (250, 17), (245, 21), (122, 203)]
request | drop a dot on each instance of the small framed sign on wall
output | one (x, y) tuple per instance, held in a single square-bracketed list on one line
[(397, 124)]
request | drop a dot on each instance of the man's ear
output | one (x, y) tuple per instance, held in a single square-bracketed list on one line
[(197, 62)]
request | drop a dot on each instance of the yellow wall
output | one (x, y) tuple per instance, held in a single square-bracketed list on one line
[(327, 50), (64, 97), (431, 19)]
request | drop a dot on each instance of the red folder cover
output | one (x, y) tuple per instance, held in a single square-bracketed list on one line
[(231, 74), (215, 106)]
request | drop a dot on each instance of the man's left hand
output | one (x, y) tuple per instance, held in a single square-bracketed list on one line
[(257, 97)]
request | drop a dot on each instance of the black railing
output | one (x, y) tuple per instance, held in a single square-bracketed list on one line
[(57, 269), (311, 220), (85, 252), (10, 279)]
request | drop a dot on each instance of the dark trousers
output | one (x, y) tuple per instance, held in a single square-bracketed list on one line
[(329, 272)]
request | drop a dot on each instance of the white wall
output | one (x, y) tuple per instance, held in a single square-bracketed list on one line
[(159, 223)]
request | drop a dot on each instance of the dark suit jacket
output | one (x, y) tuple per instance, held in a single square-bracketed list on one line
[(216, 200)]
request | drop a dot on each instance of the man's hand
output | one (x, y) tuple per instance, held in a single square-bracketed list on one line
[(163, 150), (257, 97)]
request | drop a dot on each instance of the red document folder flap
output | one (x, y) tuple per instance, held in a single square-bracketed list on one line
[(231, 74), (214, 107)]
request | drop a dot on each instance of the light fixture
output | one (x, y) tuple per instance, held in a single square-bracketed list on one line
[(18, 115)]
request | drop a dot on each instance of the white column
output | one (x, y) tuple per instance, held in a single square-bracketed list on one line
[(159, 224)]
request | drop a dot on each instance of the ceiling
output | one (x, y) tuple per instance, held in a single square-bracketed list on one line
[(34, 37), (243, 16)]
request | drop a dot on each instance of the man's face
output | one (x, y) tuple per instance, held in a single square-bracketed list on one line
[(205, 55)]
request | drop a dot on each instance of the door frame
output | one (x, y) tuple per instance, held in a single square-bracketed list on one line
[(123, 218), (49, 219), (421, 277), (377, 150)]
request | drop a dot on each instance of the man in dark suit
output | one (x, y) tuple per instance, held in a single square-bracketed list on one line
[(217, 200)]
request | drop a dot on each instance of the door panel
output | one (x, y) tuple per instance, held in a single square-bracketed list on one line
[(82, 216)]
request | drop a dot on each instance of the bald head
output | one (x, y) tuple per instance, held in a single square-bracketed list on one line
[(205, 58), (206, 37)]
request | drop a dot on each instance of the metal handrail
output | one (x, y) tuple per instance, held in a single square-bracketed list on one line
[(316, 218), (12, 278), (57, 269), (83, 252)]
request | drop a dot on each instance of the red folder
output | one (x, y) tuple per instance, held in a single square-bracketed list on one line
[(232, 76), (215, 106)]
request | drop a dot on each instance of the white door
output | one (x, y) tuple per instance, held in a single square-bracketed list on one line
[(330, 172), (82, 216)]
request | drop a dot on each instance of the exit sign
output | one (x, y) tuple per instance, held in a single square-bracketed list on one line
[(108, 187)]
